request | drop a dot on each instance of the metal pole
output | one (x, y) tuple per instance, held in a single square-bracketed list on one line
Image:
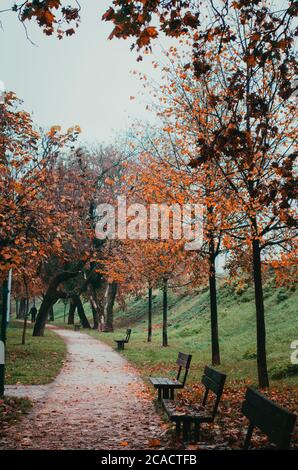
[(9, 295), (3, 336)]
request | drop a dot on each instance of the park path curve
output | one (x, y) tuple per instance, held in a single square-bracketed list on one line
[(98, 401)]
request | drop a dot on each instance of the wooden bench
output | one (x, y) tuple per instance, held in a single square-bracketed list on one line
[(165, 386), (269, 417), (190, 418), (77, 326), (121, 342)]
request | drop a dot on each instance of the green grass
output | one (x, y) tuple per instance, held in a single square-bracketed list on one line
[(38, 361), (189, 332), (59, 314)]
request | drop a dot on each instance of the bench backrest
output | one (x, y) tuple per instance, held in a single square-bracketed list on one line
[(183, 361), (128, 333), (269, 417), (213, 381)]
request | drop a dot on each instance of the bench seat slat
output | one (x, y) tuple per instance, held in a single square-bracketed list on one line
[(154, 380), (211, 385), (166, 386), (183, 360), (213, 374), (174, 414), (164, 382), (121, 342)]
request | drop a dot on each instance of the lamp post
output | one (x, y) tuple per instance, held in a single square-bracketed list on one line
[(4, 319), (6, 288)]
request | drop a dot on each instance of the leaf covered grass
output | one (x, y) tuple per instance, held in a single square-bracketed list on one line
[(189, 332), (12, 409), (38, 361)]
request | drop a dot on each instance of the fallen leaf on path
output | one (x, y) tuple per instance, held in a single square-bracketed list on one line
[(192, 447), (154, 442), (124, 443)]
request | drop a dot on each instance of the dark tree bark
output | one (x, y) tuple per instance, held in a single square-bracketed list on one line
[(51, 314), (17, 308), (213, 305), (165, 314), (112, 291), (101, 301), (25, 321), (22, 308), (64, 310), (149, 314), (26, 310), (260, 316), (256, 258), (100, 297), (50, 298), (96, 290), (71, 312), (94, 306), (94, 314), (80, 309)]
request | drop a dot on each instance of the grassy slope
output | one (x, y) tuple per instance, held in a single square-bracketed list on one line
[(38, 361), (189, 331)]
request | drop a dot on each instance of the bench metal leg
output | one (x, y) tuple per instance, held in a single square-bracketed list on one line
[(159, 394), (178, 428), (248, 436), (196, 431), (172, 390), (165, 393), (186, 430)]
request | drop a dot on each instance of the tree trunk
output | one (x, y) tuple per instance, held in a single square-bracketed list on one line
[(64, 311), (149, 314), (50, 298), (213, 306), (260, 316), (51, 314), (25, 321), (17, 308), (97, 298), (22, 308), (71, 312), (112, 291), (100, 298), (165, 314), (80, 309), (93, 305), (94, 315)]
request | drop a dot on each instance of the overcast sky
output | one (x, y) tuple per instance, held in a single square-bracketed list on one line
[(85, 79)]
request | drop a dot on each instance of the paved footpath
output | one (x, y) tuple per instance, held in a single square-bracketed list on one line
[(98, 401)]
